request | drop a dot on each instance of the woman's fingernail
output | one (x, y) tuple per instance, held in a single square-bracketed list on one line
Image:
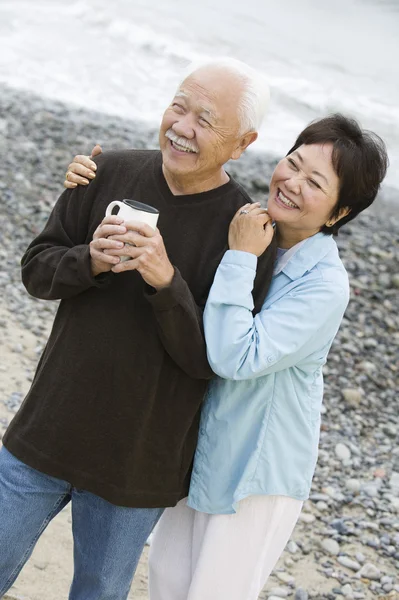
[(120, 244), (93, 166), (91, 175)]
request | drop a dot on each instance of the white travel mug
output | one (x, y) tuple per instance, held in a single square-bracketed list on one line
[(131, 210)]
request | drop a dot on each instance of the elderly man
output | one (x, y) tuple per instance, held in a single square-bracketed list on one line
[(110, 422)]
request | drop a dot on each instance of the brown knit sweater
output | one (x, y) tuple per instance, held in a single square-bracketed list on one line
[(115, 402)]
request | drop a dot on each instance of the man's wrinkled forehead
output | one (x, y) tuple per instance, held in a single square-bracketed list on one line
[(201, 105)]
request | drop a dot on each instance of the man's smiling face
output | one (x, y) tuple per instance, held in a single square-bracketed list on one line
[(200, 130)]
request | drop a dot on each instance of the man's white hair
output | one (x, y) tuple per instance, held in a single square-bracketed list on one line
[(255, 98)]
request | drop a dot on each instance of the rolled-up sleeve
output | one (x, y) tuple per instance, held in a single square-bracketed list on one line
[(241, 346)]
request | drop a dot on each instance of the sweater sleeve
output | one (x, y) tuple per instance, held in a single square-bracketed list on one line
[(180, 319), (180, 326), (57, 263)]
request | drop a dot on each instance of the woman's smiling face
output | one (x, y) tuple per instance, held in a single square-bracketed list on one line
[(304, 189)]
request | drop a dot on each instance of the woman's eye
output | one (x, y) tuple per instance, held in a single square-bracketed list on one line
[(314, 183), (292, 163), (177, 107)]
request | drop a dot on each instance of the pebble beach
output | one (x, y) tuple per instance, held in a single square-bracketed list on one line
[(346, 544)]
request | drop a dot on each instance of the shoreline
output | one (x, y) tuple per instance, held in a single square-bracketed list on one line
[(351, 519)]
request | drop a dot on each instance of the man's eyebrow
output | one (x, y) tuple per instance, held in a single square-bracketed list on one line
[(208, 112), (182, 94), (300, 158)]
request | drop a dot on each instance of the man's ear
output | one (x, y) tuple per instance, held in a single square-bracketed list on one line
[(245, 141)]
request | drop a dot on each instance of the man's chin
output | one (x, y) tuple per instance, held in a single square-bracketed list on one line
[(177, 164)]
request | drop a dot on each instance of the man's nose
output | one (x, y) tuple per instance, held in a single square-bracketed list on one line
[(184, 127)]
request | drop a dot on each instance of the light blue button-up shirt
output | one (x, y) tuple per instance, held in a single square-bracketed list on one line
[(260, 423)]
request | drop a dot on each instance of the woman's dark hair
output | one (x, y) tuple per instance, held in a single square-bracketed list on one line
[(359, 158)]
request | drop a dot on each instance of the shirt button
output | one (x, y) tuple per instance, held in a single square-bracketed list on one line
[(271, 359)]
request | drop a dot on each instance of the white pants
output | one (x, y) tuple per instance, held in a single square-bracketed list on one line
[(196, 556)]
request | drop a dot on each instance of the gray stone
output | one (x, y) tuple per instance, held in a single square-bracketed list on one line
[(360, 557), (394, 503), (307, 517), (292, 547), (342, 452), (390, 430), (317, 497), (288, 562), (301, 594), (370, 571), (349, 563), (371, 489), (280, 592), (384, 279), (330, 546), (353, 485), (17, 348), (394, 483), (367, 366), (347, 590), (285, 577)]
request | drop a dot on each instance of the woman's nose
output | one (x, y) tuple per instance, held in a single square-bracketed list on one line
[(293, 184)]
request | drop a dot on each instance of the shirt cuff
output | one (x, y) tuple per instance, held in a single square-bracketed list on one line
[(240, 258), (84, 269), (167, 297)]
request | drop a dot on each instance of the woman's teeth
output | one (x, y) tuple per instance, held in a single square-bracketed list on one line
[(181, 148), (285, 200)]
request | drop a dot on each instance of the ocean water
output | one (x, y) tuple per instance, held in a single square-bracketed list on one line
[(125, 57)]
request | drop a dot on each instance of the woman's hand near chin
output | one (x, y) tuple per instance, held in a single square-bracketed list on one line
[(251, 229), (82, 170)]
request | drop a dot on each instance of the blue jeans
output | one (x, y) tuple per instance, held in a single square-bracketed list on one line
[(108, 539)]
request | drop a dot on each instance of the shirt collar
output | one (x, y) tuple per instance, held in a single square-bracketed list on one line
[(304, 256)]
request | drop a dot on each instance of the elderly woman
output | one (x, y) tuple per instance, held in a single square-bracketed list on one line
[(259, 432)]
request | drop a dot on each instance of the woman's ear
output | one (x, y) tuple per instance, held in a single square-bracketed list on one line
[(343, 212)]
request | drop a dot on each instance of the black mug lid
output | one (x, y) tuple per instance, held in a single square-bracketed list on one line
[(141, 206)]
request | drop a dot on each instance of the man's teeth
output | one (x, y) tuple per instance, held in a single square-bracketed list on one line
[(285, 201), (181, 148)]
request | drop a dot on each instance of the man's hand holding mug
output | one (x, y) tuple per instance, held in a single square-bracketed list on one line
[(101, 262), (147, 252), (142, 248)]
